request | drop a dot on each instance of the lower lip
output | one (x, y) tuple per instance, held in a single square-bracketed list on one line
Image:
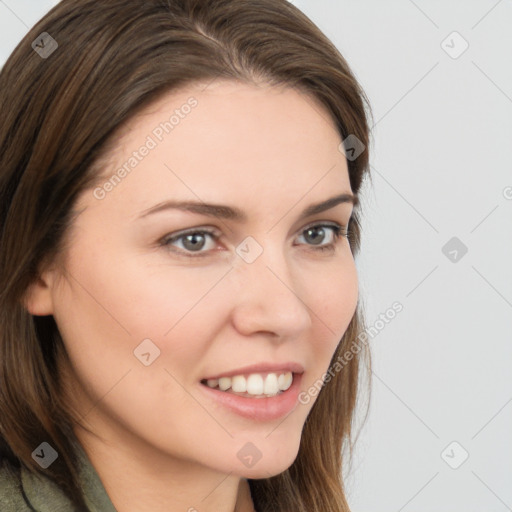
[(260, 409)]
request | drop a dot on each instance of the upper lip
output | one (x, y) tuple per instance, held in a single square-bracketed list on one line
[(261, 368)]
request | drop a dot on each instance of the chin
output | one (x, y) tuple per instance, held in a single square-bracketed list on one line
[(272, 462), (266, 470)]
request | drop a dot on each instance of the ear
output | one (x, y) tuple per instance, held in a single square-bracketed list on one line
[(38, 299)]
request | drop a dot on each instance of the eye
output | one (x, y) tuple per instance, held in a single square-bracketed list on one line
[(197, 241), (322, 236)]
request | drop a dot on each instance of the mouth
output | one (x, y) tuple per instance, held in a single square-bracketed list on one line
[(259, 392), (253, 385)]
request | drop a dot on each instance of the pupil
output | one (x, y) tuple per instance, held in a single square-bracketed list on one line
[(315, 235), (194, 242)]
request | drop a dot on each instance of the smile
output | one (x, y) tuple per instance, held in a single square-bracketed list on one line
[(268, 396), (254, 385)]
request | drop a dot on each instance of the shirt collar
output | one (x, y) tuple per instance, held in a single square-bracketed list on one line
[(45, 496)]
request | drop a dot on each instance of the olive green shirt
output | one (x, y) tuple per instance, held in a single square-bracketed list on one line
[(22, 491)]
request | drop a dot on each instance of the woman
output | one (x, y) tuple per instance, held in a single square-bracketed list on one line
[(179, 304)]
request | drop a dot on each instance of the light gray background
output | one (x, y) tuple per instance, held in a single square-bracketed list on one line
[(441, 165)]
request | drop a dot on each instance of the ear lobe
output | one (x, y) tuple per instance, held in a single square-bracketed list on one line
[(38, 300)]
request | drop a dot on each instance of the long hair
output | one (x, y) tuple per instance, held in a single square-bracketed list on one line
[(79, 74)]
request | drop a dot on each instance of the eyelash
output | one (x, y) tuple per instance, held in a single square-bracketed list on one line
[(337, 230)]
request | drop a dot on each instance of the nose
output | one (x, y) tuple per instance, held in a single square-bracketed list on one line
[(269, 298)]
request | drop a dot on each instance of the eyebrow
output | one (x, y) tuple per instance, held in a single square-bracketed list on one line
[(232, 213)]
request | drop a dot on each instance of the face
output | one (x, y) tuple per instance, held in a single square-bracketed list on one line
[(204, 265)]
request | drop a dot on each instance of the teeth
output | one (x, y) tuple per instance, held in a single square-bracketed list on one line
[(239, 384), (255, 384), (224, 383), (285, 381), (271, 385)]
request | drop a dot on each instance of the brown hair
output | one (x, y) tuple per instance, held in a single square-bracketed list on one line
[(60, 115)]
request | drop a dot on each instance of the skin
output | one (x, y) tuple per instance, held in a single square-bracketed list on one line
[(159, 443)]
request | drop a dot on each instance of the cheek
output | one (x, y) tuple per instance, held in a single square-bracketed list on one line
[(105, 311), (103, 318), (333, 294), (134, 299), (332, 302)]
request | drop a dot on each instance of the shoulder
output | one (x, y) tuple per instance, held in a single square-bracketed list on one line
[(24, 491), (11, 493)]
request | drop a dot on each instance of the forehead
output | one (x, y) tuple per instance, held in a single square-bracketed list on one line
[(227, 140)]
